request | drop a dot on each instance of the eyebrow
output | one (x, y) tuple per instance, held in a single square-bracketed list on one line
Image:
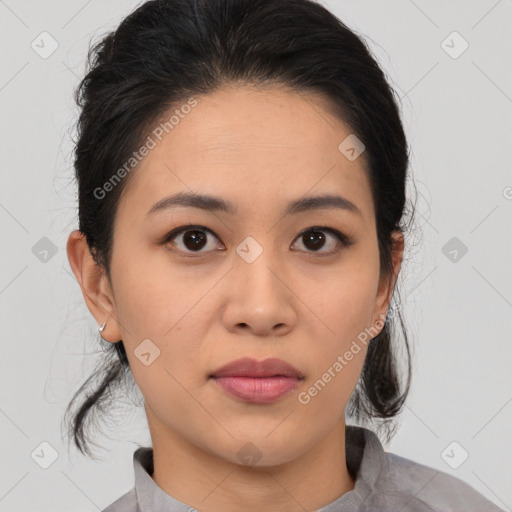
[(212, 203)]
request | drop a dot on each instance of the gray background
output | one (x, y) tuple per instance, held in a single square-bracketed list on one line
[(457, 114)]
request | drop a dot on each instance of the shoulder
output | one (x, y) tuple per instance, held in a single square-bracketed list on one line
[(428, 489), (126, 503)]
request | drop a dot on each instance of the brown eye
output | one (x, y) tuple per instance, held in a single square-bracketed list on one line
[(316, 238), (191, 239), (194, 239)]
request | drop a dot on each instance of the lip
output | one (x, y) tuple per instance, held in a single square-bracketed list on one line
[(249, 367), (258, 381)]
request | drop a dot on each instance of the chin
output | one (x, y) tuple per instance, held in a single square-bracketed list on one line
[(259, 450)]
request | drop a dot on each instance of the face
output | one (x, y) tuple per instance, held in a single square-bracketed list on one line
[(257, 281)]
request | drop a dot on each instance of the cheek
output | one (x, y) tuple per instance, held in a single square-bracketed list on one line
[(342, 354), (170, 307), (344, 303), (345, 299), (338, 358), (151, 293)]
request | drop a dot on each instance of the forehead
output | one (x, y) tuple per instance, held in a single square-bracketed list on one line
[(261, 146)]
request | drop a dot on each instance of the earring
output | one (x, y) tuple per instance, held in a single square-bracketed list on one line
[(102, 327)]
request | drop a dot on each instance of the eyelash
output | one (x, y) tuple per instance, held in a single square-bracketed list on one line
[(344, 240)]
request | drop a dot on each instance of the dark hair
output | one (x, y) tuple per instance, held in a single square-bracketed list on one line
[(168, 50)]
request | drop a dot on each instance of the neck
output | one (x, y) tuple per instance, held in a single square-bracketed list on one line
[(210, 483)]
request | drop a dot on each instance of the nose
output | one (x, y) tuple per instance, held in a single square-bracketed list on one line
[(260, 301)]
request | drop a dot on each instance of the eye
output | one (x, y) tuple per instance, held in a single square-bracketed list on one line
[(318, 237), (194, 239)]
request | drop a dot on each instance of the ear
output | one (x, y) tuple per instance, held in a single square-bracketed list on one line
[(94, 284), (387, 283)]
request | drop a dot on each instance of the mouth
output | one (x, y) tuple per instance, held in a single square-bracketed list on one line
[(257, 382)]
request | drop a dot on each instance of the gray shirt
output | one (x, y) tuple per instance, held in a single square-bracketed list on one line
[(384, 482)]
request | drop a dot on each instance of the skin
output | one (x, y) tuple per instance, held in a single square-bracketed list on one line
[(259, 149)]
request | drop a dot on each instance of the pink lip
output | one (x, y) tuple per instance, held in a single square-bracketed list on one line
[(260, 390), (258, 381)]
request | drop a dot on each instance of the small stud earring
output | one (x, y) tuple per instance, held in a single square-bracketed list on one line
[(102, 327)]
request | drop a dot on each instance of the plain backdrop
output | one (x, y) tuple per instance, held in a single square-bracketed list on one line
[(456, 105)]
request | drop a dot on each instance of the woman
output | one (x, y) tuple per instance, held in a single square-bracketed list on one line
[(241, 168)]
